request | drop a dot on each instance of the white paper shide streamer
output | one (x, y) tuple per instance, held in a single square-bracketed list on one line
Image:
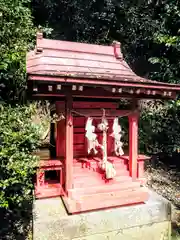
[(91, 136), (116, 134)]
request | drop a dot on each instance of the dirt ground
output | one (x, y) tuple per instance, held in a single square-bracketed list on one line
[(165, 180)]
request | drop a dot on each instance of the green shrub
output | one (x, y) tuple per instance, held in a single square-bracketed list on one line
[(160, 127), (16, 34), (18, 138)]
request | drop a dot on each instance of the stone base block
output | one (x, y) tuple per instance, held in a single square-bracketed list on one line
[(149, 221), (155, 231)]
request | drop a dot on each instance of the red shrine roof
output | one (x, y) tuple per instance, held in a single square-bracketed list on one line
[(82, 63)]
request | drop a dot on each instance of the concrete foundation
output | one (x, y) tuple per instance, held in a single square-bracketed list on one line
[(149, 221)]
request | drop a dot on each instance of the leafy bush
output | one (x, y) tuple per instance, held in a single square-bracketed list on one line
[(16, 32), (160, 127), (18, 138)]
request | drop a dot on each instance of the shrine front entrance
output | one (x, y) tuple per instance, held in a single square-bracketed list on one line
[(98, 171)]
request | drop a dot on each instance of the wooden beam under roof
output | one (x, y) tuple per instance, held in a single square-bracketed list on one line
[(42, 90)]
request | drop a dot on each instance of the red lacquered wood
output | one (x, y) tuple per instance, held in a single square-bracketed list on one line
[(75, 47), (55, 190), (84, 169), (140, 157), (76, 71), (98, 180), (115, 96), (40, 178), (92, 59), (133, 145), (75, 207), (97, 176), (78, 148), (75, 193), (95, 105), (50, 163), (43, 189), (69, 55), (69, 144), (89, 184), (98, 112), (120, 169), (110, 140), (140, 164), (39, 41), (60, 106), (81, 63), (99, 92), (79, 138), (79, 121), (105, 81), (61, 138), (105, 196), (86, 66), (130, 199), (79, 130)]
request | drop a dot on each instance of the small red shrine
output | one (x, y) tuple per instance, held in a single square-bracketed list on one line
[(86, 82)]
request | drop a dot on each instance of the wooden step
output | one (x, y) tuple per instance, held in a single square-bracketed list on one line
[(108, 195), (85, 175), (111, 159), (121, 172), (82, 171), (102, 201), (104, 189), (120, 179), (95, 175), (87, 184), (81, 183), (97, 160), (95, 165), (100, 178)]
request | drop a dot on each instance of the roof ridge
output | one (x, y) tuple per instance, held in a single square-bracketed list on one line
[(113, 49)]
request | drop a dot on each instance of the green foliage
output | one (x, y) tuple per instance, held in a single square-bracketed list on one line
[(76, 20), (19, 137), (160, 127), (16, 31), (168, 40)]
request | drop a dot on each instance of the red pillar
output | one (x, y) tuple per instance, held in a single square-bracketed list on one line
[(69, 145), (133, 144)]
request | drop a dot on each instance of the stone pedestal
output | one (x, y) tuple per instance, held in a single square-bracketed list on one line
[(149, 221)]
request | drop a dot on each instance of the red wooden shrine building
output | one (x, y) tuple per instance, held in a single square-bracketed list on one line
[(86, 82)]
